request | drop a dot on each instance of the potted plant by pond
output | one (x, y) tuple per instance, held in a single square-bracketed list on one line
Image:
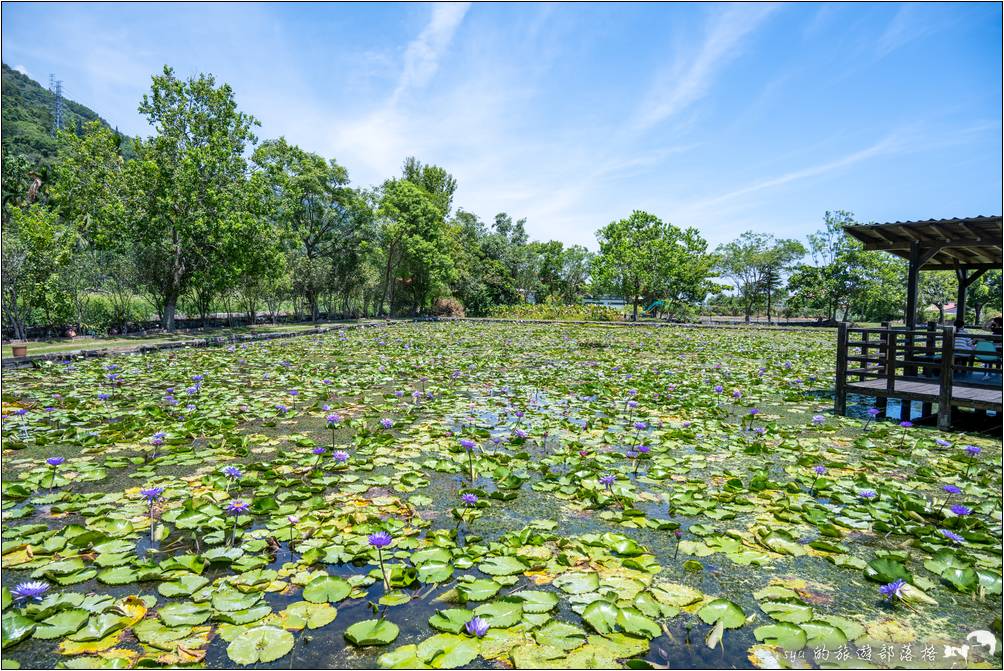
[(19, 349)]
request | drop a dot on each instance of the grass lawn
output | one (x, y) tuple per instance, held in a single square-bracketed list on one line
[(120, 342)]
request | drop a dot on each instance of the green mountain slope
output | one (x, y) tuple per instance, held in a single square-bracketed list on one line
[(27, 117)]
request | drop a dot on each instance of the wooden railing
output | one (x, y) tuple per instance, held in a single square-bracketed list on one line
[(920, 354)]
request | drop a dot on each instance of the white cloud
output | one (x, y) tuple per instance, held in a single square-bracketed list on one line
[(23, 70), (422, 56), (687, 80)]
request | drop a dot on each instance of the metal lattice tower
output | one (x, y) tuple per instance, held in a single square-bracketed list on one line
[(56, 86)]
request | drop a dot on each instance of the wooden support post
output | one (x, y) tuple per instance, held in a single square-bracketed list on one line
[(960, 303), (947, 370), (927, 408), (913, 275), (840, 396), (881, 402)]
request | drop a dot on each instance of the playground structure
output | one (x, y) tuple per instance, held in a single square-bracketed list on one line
[(650, 310)]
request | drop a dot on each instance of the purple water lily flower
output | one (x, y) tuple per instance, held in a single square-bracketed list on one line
[(380, 539), (972, 450), (874, 412), (941, 442), (476, 627), (55, 461), (952, 489), (520, 433), (281, 409), (719, 388), (644, 449), (952, 536), (333, 419), (818, 419), (893, 590), (238, 507), (867, 494), (467, 444), (340, 456), (233, 472), (32, 590), (469, 499), (905, 424), (386, 423), (318, 451), (103, 396), (152, 494), (819, 469), (607, 481), (640, 426), (961, 510)]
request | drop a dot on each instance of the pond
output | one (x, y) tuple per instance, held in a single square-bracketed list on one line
[(486, 495)]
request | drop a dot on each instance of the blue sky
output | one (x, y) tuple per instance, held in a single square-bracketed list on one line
[(723, 117)]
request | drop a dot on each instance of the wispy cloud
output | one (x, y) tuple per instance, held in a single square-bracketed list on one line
[(23, 70), (687, 80), (422, 56), (910, 23), (887, 145)]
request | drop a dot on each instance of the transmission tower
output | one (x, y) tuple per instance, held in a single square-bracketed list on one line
[(56, 87)]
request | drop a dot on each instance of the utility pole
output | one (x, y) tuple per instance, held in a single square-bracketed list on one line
[(56, 87)]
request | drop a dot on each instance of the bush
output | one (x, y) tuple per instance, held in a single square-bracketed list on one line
[(447, 307), (554, 311)]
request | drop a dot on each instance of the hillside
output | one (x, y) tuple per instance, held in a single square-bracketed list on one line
[(27, 117)]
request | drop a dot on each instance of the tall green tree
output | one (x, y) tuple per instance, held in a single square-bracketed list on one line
[(415, 242), (756, 264), (186, 191), (309, 198), (985, 293), (645, 257)]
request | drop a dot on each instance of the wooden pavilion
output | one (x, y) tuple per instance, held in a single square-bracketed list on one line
[(924, 363)]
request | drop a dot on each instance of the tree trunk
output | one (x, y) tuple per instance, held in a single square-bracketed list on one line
[(977, 311), (634, 302), (170, 303)]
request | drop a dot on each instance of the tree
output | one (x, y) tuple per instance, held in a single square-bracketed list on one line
[(984, 293), (645, 257), (415, 242), (756, 263), (34, 247), (845, 279), (310, 200), (439, 184), (186, 200), (937, 288)]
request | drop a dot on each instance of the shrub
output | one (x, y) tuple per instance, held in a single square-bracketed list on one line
[(553, 311), (447, 307)]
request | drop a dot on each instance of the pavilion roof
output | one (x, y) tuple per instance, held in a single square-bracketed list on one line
[(970, 242)]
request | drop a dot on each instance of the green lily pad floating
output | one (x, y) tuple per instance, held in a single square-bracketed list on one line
[(260, 644), (502, 613), (535, 601), (372, 632), (451, 620), (478, 590), (184, 612), (15, 628), (577, 582), (448, 651), (560, 635), (310, 615), (784, 634), (405, 657), (61, 624), (326, 589), (722, 610), (505, 565), (183, 586), (823, 634)]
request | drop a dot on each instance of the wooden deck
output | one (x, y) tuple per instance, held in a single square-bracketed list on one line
[(987, 398)]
